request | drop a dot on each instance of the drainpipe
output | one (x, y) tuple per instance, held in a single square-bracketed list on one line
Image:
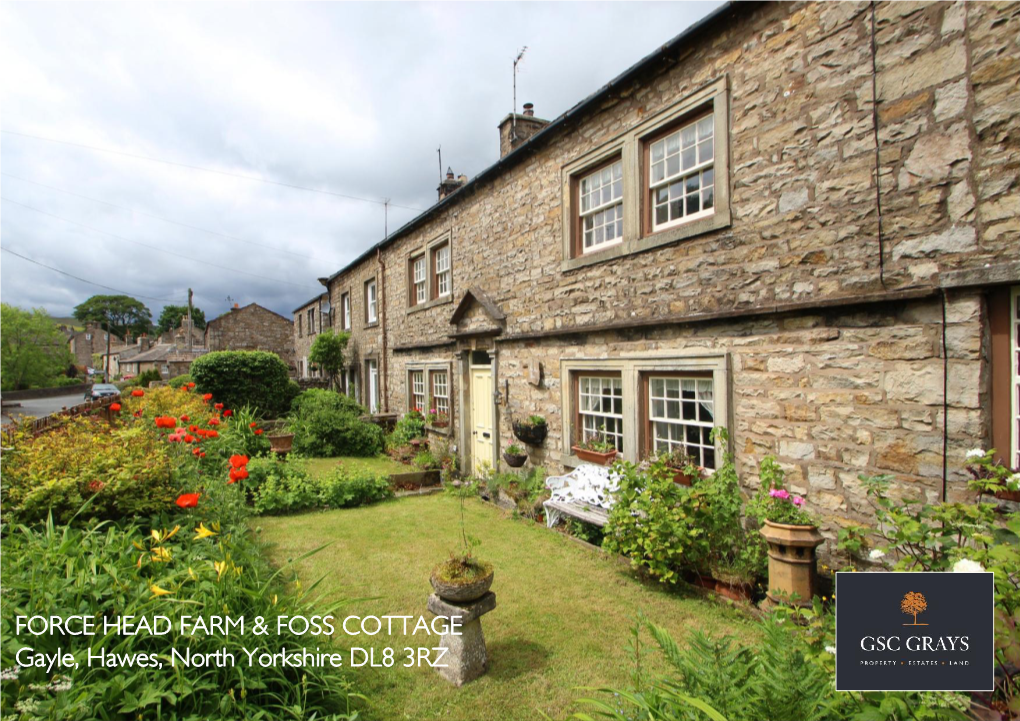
[(384, 379)]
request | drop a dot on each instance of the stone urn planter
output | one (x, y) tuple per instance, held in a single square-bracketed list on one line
[(281, 443), (470, 589), (599, 459), (791, 561), (515, 460)]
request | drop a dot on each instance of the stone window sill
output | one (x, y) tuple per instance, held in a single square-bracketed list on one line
[(717, 221), (442, 300), (373, 324), (440, 431)]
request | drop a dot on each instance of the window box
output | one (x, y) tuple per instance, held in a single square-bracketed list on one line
[(599, 459)]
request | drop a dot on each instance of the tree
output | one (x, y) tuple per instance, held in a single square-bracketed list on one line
[(116, 314), (328, 351), (914, 603), (171, 315), (33, 351)]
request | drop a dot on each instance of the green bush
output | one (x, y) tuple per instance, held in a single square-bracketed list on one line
[(325, 424), (146, 377), (239, 378), (126, 471), (61, 381), (278, 487), (408, 428), (180, 381)]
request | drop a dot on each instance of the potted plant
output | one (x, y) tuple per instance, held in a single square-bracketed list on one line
[(595, 448), (462, 577), (734, 575), (515, 456), (437, 419), (531, 430), (792, 537), (683, 465), (280, 441)]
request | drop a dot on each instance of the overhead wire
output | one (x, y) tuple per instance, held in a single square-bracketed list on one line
[(189, 258), (85, 280), (226, 173), (165, 220)]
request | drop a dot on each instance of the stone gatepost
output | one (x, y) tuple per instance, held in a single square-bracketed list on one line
[(466, 659)]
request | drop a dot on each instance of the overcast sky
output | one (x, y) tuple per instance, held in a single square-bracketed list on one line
[(350, 98)]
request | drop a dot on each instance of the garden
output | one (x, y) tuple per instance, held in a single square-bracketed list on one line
[(229, 492)]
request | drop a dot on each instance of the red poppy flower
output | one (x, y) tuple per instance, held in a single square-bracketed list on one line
[(185, 419), (228, 412), (237, 474), (207, 397), (258, 431), (191, 385), (115, 407), (212, 434), (218, 406), (202, 454), (188, 500), (138, 393), (193, 428), (195, 451), (137, 414), (238, 461), (188, 438), (166, 422), (96, 486), (214, 421), (252, 424)]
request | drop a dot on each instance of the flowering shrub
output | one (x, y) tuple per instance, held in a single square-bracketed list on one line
[(125, 471), (990, 477)]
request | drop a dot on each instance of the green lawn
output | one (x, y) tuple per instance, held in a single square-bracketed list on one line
[(563, 615), (380, 465)]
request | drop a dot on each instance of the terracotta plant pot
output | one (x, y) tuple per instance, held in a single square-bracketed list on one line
[(281, 443), (734, 589), (600, 459), (461, 592), (515, 461), (682, 479), (791, 561), (440, 424), (532, 435)]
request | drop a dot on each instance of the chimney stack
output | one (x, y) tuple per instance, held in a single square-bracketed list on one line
[(517, 128), (450, 184)]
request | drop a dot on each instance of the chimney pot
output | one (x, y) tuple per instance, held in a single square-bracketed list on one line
[(449, 173), (529, 109), (236, 306)]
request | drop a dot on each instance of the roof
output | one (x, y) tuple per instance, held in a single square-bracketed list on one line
[(316, 299), (166, 352), (724, 12), (246, 307)]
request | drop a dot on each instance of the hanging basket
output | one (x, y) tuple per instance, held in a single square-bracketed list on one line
[(533, 435), (515, 461)]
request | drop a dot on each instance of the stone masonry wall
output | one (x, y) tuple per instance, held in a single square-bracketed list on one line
[(366, 340), (305, 336), (252, 328)]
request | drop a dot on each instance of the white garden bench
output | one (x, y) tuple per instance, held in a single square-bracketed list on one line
[(586, 493)]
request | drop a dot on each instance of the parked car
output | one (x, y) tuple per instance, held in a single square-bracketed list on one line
[(101, 390)]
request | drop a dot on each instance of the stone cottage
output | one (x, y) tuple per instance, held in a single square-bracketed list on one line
[(309, 320), (795, 220), (252, 328)]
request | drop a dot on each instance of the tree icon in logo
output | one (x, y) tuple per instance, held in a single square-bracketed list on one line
[(914, 603)]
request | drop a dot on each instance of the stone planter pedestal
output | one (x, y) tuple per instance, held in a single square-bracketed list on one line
[(791, 561), (466, 659)]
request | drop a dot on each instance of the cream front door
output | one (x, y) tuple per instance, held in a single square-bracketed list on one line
[(481, 418)]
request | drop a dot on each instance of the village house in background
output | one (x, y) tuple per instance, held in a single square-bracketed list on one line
[(309, 320), (87, 344), (252, 328), (732, 233)]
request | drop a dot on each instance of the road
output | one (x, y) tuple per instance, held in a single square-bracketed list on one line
[(40, 407)]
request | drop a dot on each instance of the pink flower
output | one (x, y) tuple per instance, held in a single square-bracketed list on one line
[(798, 501), (781, 493)]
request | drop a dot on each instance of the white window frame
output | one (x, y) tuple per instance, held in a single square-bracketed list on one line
[(345, 306), (701, 385), (437, 400), (311, 321), (588, 209), (444, 285), (632, 369), (417, 396), (601, 424), (703, 124), (371, 302), (419, 279), (372, 370)]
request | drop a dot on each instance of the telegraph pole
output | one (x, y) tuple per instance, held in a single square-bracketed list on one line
[(190, 323)]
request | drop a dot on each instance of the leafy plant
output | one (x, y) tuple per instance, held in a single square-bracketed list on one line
[(328, 353), (237, 378), (679, 459), (411, 426), (515, 450), (33, 351), (596, 441), (462, 567), (426, 461), (326, 423), (180, 381), (148, 376), (775, 503)]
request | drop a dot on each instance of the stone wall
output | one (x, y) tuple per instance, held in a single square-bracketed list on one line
[(366, 340), (252, 328), (304, 336), (832, 389)]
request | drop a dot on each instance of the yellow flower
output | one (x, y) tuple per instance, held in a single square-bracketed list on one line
[(157, 591), (161, 555), (203, 532), (220, 567), (192, 574)]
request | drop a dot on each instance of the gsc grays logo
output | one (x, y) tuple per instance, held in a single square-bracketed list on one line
[(914, 631)]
